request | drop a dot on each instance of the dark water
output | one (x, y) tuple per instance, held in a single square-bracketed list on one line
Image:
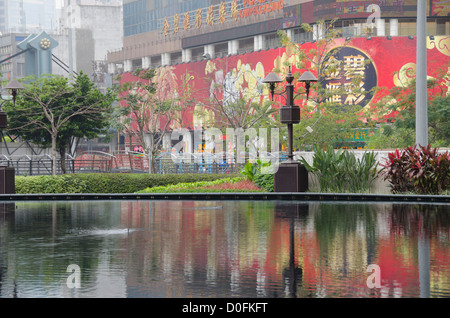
[(223, 249)]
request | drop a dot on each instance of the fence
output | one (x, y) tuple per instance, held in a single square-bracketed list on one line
[(98, 162), (35, 165)]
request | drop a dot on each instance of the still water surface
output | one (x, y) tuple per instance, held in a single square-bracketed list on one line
[(223, 249)]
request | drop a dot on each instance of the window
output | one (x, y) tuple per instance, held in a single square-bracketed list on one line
[(300, 35), (407, 27), (246, 45), (197, 53), (221, 49), (20, 69), (271, 41), (175, 58)]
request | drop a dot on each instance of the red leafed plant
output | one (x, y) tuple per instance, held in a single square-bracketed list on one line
[(418, 169), (240, 185)]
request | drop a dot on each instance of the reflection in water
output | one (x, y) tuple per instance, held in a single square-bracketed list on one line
[(223, 249)]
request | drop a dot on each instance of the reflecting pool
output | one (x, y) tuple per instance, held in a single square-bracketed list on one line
[(223, 249)]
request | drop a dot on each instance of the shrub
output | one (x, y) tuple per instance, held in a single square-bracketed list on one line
[(360, 174), (237, 184), (264, 181), (418, 169), (104, 182), (249, 171), (50, 184), (340, 171), (260, 172)]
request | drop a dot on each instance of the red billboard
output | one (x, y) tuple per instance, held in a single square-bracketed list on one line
[(385, 62)]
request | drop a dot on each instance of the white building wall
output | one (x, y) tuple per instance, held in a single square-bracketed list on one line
[(96, 28)]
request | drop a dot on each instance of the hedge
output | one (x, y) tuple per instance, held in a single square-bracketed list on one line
[(199, 186), (105, 182)]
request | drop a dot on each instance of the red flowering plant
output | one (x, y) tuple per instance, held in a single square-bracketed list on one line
[(418, 169)]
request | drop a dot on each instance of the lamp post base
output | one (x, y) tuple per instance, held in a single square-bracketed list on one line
[(291, 176), (7, 180)]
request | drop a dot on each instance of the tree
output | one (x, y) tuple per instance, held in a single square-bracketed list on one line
[(400, 101), (53, 109), (238, 101), (148, 106), (184, 98)]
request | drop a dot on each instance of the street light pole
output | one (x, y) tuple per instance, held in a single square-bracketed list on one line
[(291, 176), (293, 115)]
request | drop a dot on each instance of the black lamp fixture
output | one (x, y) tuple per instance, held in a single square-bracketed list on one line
[(272, 79), (7, 174), (291, 175), (307, 77), (14, 86)]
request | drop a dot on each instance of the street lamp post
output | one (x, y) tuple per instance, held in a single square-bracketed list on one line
[(291, 175), (7, 174)]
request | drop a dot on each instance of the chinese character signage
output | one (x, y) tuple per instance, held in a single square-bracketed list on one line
[(356, 138), (347, 9), (352, 62), (220, 14)]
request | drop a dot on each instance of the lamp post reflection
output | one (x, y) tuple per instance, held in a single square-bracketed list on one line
[(7, 217), (293, 274)]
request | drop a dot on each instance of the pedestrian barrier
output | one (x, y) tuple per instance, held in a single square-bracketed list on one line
[(126, 162)]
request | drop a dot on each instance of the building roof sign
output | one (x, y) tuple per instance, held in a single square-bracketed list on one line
[(225, 11), (232, 33)]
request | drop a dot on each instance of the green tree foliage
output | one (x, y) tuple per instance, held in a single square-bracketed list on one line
[(52, 110), (399, 132)]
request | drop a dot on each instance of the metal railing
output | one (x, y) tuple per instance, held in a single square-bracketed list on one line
[(35, 165), (98, 162), (163, 167)]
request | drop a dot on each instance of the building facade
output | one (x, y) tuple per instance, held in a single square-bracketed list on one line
[(11, 67), (85, 31), (28, 16), (234, 44), (88, 29), (167, 32)]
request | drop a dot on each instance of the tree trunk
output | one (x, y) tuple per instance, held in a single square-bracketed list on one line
[(151, 166), (150, 151), (54, 136), (62, 155)]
